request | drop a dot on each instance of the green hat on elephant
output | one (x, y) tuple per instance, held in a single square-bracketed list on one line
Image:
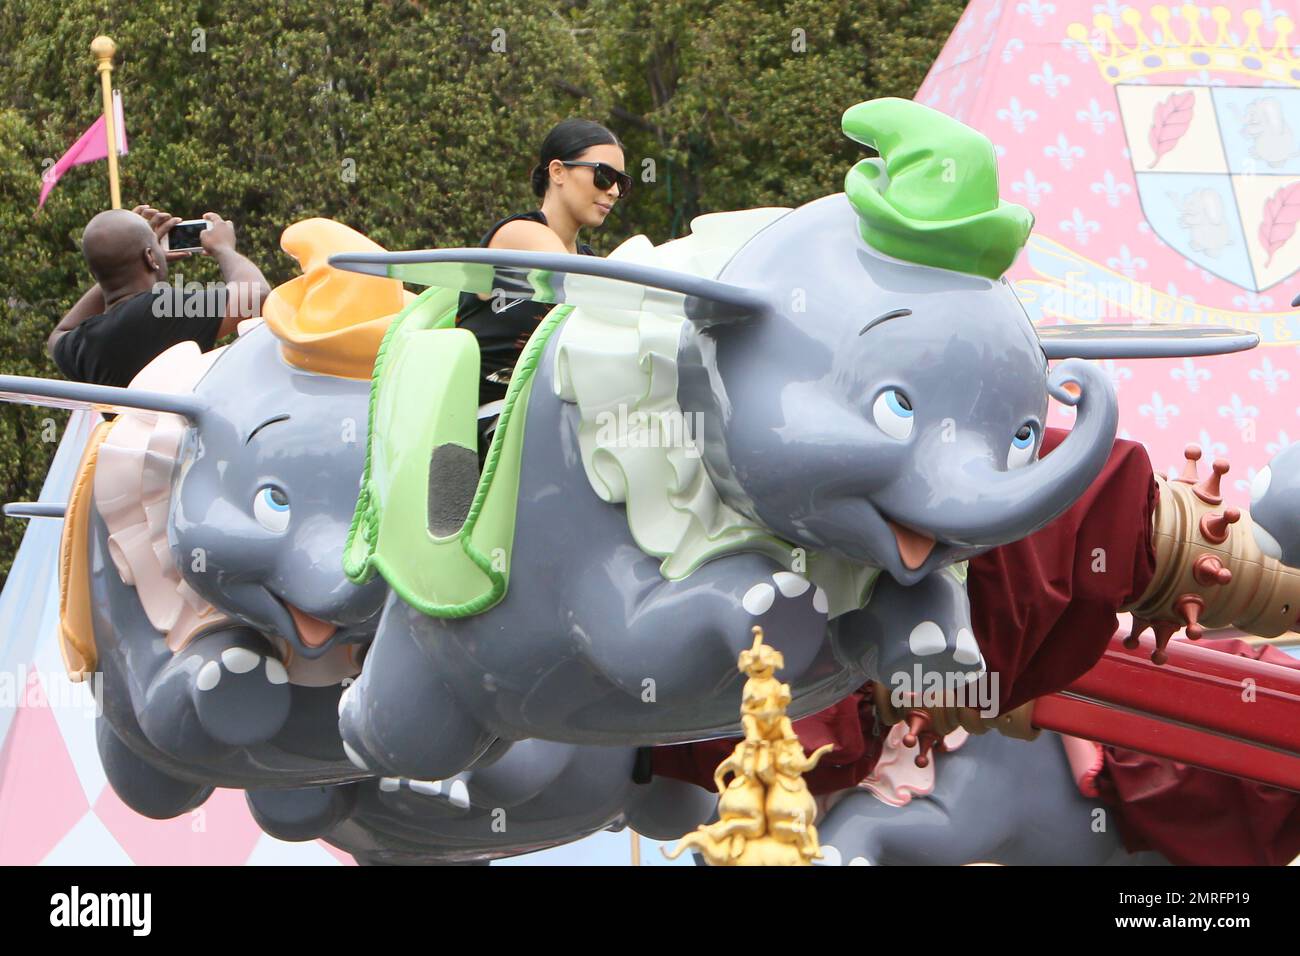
[(932, 196)]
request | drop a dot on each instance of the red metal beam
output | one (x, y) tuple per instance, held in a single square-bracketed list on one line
[(1197, 748), (1203, 707), (1235, 696)]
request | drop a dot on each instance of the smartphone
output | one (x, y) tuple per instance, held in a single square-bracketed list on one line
[(185, 235)]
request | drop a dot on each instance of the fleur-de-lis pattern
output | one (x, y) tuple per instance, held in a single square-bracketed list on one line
[(1242, 485), (1269, 376), (1030, 188), (1049, 80), (1080, 50), (1111, 188), (1062, 154), (1252, 301), (1096, 117), (1126, 262), (1080, 228), (1111, 8), (1118, 374), (1037, 10), (1191, 375), (1240, 413), (1158, 410), (1017, 116), (1210, 448)]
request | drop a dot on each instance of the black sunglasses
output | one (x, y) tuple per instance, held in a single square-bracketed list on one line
[(604, 175)]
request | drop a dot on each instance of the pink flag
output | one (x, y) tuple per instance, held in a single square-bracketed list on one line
[(92, 145)]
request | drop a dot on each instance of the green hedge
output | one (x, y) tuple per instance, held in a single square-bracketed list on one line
[(414, 122)]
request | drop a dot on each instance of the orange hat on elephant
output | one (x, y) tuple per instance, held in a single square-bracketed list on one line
[(329, 321)]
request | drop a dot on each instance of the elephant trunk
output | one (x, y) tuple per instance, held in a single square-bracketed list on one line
[(1004, 506)]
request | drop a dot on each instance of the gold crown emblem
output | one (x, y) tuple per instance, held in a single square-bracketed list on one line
[(1211, 48)]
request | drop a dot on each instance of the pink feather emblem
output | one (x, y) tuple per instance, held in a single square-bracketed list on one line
[(1172, 117), (1281, 212)]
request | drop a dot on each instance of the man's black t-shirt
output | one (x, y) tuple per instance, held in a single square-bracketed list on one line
[(111, 348), (502, 332)]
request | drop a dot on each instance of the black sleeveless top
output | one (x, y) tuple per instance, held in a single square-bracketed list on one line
[(502, 332)]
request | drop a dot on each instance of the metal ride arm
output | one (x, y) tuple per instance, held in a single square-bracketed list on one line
[(1202, 707)]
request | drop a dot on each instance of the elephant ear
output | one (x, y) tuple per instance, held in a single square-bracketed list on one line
[(1115, 341), (35, 509), (560, 279), (55, 393)]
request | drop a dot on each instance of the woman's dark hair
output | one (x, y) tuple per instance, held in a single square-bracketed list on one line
[(569, 140)]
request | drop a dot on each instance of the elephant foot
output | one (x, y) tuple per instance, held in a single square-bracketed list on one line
[(927, 651), (144, 788), (400, 718), (452, 792), (385, 738), (727, 598), (303, 814), (522, 770), (221, 692), (664, 809), (831, 856), (241, 696)]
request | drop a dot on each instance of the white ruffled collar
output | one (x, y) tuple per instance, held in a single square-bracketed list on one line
[(620, 369)]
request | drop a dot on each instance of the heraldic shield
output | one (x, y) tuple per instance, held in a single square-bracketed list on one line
[(1218, 174)]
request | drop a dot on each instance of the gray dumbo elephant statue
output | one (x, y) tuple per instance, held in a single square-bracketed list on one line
[(220, 618), (201, 573), (804, 419), (993, 799), (1275, 506), (210, 525)]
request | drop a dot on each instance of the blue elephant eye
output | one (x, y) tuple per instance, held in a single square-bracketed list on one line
[(271, 508), (898, 403), (1021, 451), (893, 414)]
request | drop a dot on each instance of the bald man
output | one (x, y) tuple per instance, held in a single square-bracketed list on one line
[(131, 315)]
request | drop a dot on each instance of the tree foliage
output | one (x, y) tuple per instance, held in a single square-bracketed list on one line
[(414, 122)]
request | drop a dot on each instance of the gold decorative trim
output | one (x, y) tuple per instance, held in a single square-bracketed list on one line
[(76, 628)]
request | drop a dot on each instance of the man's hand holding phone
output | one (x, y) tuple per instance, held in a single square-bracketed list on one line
[(186, 235), (219, 236), (181, 238), (162, 224)]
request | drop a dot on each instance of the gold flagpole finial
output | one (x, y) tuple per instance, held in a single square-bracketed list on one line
[(104, 49)]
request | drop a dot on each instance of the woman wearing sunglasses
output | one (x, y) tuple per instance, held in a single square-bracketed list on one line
[(578, 179)]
